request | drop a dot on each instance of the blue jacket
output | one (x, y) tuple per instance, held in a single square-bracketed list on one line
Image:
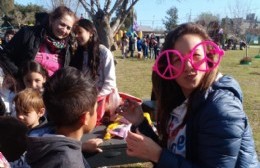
[(218, 131)]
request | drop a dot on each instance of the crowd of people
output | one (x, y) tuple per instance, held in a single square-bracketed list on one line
[(41, 59), (146, 47), (53, 91)]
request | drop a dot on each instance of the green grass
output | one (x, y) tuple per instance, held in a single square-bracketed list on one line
[(134, 77)]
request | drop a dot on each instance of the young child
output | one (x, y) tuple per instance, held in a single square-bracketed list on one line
[(34, 75), (12, 138), (70, 100), (30, 108), (94, 58)]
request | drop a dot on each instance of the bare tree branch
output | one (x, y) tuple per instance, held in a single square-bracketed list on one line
[(124, 12), (116, 5), (87, 7), (102, 17), (98, 4), (107, 5)]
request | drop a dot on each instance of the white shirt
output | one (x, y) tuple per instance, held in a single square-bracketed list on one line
[(177, 138), (106, 71)]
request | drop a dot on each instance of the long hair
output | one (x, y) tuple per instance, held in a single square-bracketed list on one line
[(92, 47), (168, 93)]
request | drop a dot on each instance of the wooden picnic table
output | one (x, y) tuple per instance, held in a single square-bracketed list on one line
[(114, 150)]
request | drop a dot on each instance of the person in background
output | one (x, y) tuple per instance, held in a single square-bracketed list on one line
[(48, 44), (145, 47), (200, 116), (139, 47), (71, 107), (94, 58), (124, 45), (34, 75), (9, 34), (131, 45)]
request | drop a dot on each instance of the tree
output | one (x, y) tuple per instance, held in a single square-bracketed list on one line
[(25, 14), (72, 4), (20, 14), (6, 6), (102, 15), (238, 11), (170, 21), (207, 18)]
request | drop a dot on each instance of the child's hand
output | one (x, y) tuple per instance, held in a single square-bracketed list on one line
[(91, 145), (141, 146), (132, 111)]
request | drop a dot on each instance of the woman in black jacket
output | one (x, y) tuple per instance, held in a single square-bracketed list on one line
[(48, 44)]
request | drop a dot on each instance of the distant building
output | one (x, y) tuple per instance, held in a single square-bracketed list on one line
[(251, 29), (247, 29), (253, 36), (149, 30)]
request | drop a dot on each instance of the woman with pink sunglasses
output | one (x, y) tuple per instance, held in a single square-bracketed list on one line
[(200, 116)]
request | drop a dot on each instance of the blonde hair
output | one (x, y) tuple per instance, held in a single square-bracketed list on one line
[(28, 99)]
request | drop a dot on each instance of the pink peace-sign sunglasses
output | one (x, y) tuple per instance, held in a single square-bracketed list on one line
[(205, 56)]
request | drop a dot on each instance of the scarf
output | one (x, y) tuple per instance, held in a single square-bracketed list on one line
[(55, 45)]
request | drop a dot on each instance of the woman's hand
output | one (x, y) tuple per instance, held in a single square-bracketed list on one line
[(132, 111), (141, 146), (91, 145)]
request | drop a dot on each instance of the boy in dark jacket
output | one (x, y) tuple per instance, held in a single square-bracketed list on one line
[(70, 101)]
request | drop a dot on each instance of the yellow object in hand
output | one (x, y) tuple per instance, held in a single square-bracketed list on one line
[(110, 127), (147, 116)]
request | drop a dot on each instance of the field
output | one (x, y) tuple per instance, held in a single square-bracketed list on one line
[(134, 77)]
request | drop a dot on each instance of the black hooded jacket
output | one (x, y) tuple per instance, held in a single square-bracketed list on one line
[(24, 46)]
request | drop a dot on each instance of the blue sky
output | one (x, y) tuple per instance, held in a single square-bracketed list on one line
[(151, 12)]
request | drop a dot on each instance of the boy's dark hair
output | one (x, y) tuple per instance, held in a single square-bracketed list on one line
[(9, 31), (67, 95), (12, 137)]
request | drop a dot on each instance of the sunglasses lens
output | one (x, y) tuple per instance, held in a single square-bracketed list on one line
[(206, 56), (169, 64)]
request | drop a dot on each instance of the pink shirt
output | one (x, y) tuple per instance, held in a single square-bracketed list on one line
[(51, 62)]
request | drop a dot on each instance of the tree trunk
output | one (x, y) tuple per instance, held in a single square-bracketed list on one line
[(102, 17), (104, 30)]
